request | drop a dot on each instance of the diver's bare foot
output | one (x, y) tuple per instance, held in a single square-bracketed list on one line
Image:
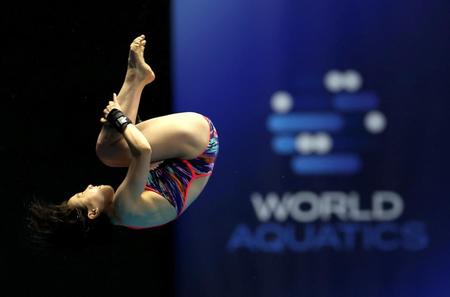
[(138, 70)]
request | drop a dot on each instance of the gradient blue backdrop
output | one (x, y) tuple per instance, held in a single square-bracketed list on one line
[(229, 58)]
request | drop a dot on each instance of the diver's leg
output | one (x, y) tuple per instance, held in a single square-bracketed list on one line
[(180, 135), (138, 75)]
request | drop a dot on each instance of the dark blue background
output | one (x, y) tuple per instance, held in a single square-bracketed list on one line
[(229, 57)]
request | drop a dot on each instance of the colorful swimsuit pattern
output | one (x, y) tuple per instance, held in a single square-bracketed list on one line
[(173, 178)]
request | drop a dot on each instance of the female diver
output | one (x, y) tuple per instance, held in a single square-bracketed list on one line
[(169, 159)]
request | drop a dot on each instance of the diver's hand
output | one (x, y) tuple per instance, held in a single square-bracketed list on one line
[(111, 105)]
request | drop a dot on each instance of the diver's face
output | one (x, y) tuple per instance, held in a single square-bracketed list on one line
[(93, 197)]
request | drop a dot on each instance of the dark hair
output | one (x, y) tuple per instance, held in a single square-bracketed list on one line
[(52, 225)]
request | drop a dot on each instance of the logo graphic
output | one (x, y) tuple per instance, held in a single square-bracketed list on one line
[(328, 136), (325, 132)]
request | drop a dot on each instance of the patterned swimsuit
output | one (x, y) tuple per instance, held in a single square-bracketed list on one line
[(173, 178)]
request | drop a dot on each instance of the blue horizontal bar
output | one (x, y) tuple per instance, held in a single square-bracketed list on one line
[(283, 145), (356, 102), (329, 164), (305, 121)]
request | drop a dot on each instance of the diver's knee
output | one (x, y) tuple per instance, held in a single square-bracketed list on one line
[(109, 155)]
